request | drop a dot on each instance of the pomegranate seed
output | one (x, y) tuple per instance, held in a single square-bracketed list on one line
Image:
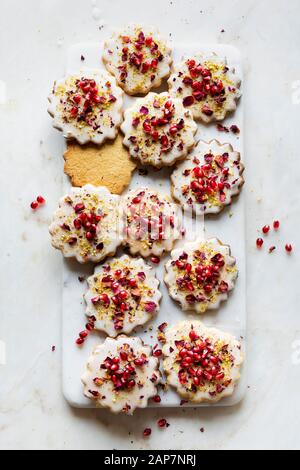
[(147, 432), (276, 224), (188, 101), (180, 264), (288, 247), (123, 355), (132, 282), (220, 376), (34, 205), (77, 98), (155, 259), (79, 341), (77, 224), (193, 335), (147, 127), (154, 63), (83, 334), (40, 200), (148, 41), (266, 229), (157, 353), (136, 200), (154, 135), (206, 110), (173, 130), (164, 141), (162, 423), (89, 236), (156, 399), (234, 128), (259, 242), (79, 207)]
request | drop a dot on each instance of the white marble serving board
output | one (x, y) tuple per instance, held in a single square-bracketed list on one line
[(229, 227)]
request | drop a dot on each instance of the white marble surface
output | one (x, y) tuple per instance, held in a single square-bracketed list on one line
[(34, 36)]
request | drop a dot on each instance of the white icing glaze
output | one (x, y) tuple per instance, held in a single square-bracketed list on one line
[(120, 53), (154, 209), (103, 118), (100, 202), (219, 72), (142, 301), (213, 202), (126, 400), (201, 299), (229, 363), (170, 143)]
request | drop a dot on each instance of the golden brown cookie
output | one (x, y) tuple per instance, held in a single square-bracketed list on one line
[(109, 165)]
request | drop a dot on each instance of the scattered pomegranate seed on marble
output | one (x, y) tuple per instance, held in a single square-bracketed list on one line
[(266, 229), (259, 242), (288, 248), (147, 432), (34, 205), (40, 200)]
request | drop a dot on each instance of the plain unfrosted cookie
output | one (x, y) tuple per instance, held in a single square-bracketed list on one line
[(206, 86), (208, 178), (87, 106), (122, 295), (138, 58), (200, 274), (151, 222), (109, 165), (85, 225), (202, 364), (158, 130), (121, 375)]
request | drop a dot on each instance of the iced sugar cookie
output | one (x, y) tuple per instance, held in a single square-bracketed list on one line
[(122, 295), (85, 225), (151, 222), (87, 106), (202, 364), (200, 274), (206, 86), (122, 374), (158, 130), (138, 58), (208, 178)]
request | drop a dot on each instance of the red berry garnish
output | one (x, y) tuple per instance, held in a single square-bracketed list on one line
[(288, 247), (266, 228), (276, 224), (83, 334), (34, 205), (156, 399), (157, 353), (162, 423), (79, 341), (40, 200), (146, 432), (259, 242), (155, 259)]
